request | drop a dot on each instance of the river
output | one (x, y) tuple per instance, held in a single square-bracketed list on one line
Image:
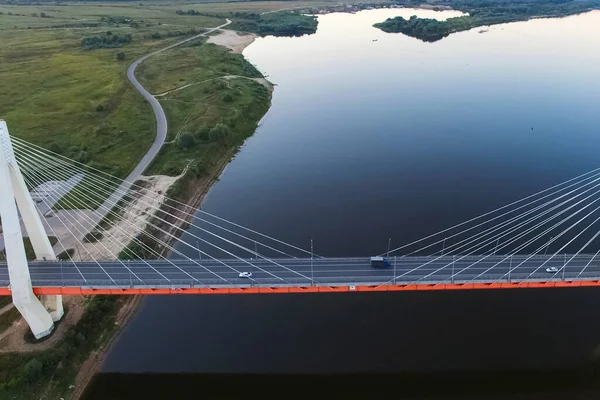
[(374, 135)]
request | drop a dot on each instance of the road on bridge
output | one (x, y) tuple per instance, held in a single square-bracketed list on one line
[(306, 272)]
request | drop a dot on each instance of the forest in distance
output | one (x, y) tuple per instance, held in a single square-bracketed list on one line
[(483, 13)]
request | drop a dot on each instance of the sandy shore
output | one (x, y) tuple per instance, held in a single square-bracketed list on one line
[(233, 40)]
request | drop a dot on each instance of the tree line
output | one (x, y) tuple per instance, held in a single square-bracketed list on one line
[(105, 41), (484, 12)]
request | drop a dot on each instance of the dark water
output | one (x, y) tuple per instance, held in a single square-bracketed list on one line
[(397, 138)]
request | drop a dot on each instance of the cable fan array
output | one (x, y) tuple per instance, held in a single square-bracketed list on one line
[(152, 239)]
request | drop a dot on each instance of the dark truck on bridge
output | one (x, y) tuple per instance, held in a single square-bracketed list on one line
[(379, 262)]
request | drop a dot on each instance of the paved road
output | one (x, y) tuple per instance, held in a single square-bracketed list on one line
[(161, 135), (298, 272), (161, 126), (159, 141)]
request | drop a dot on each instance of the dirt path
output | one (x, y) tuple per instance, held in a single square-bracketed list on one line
[(6, 308), (132, 219), (236, 43), (262, 81)]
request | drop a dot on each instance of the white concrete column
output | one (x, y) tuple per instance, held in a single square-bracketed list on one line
[(54, 305), (39, 319), (35, 229), (31, 218)]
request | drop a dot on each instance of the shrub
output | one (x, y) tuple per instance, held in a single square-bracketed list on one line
[(185, 141), (219, 132), (220, 84), (33, 370), (120, 56), (202, 134), (92, 237), (198, 169), (55, 148), (82, 157), (105, 41), (80, 339), (100, 108), (65, 255), (227, 97)]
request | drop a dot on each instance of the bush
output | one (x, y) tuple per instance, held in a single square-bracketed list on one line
[(105, 41), (202, 134), (221, 84), (92, 237), (219, 132), (227, 97), (33, 370), (65, 255), (82, 157), (198, 169), (100, 108), (80, 339), (55, 148), (185, 141), (120, 56)]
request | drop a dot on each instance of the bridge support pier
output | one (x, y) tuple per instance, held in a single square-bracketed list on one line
[(40, 315), (54, 305)]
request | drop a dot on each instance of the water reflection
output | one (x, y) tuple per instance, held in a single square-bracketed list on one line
[(398, 138)]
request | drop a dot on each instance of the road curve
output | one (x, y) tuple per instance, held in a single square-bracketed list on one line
[(159, 113), (159, 141)]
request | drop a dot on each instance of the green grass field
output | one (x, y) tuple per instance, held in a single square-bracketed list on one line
[(53, 89), (205, 87), (79, 102)]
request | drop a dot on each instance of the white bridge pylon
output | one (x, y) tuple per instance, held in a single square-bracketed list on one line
[(40, 313)]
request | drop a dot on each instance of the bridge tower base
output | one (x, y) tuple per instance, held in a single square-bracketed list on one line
[(15, 198)]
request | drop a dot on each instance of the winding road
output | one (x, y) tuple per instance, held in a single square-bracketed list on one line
[(161, 135), (159, 113), (161, 129)]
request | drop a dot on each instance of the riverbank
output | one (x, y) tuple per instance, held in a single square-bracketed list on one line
[(198, 187), (73, 341), (309, 174)]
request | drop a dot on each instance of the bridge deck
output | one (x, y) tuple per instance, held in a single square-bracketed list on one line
[(302, 275)]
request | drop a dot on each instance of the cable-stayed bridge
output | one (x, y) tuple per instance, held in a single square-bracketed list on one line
[(93, 233), (302, 275)]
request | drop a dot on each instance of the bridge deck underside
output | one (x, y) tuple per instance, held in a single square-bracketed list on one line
[(416, 272)]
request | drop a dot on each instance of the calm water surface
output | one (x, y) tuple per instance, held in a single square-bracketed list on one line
[(374, 135)]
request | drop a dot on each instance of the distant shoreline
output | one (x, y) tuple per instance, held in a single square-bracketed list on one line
[(489, 14)]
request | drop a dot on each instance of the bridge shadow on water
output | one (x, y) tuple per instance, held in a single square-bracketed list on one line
[(582, 383)]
